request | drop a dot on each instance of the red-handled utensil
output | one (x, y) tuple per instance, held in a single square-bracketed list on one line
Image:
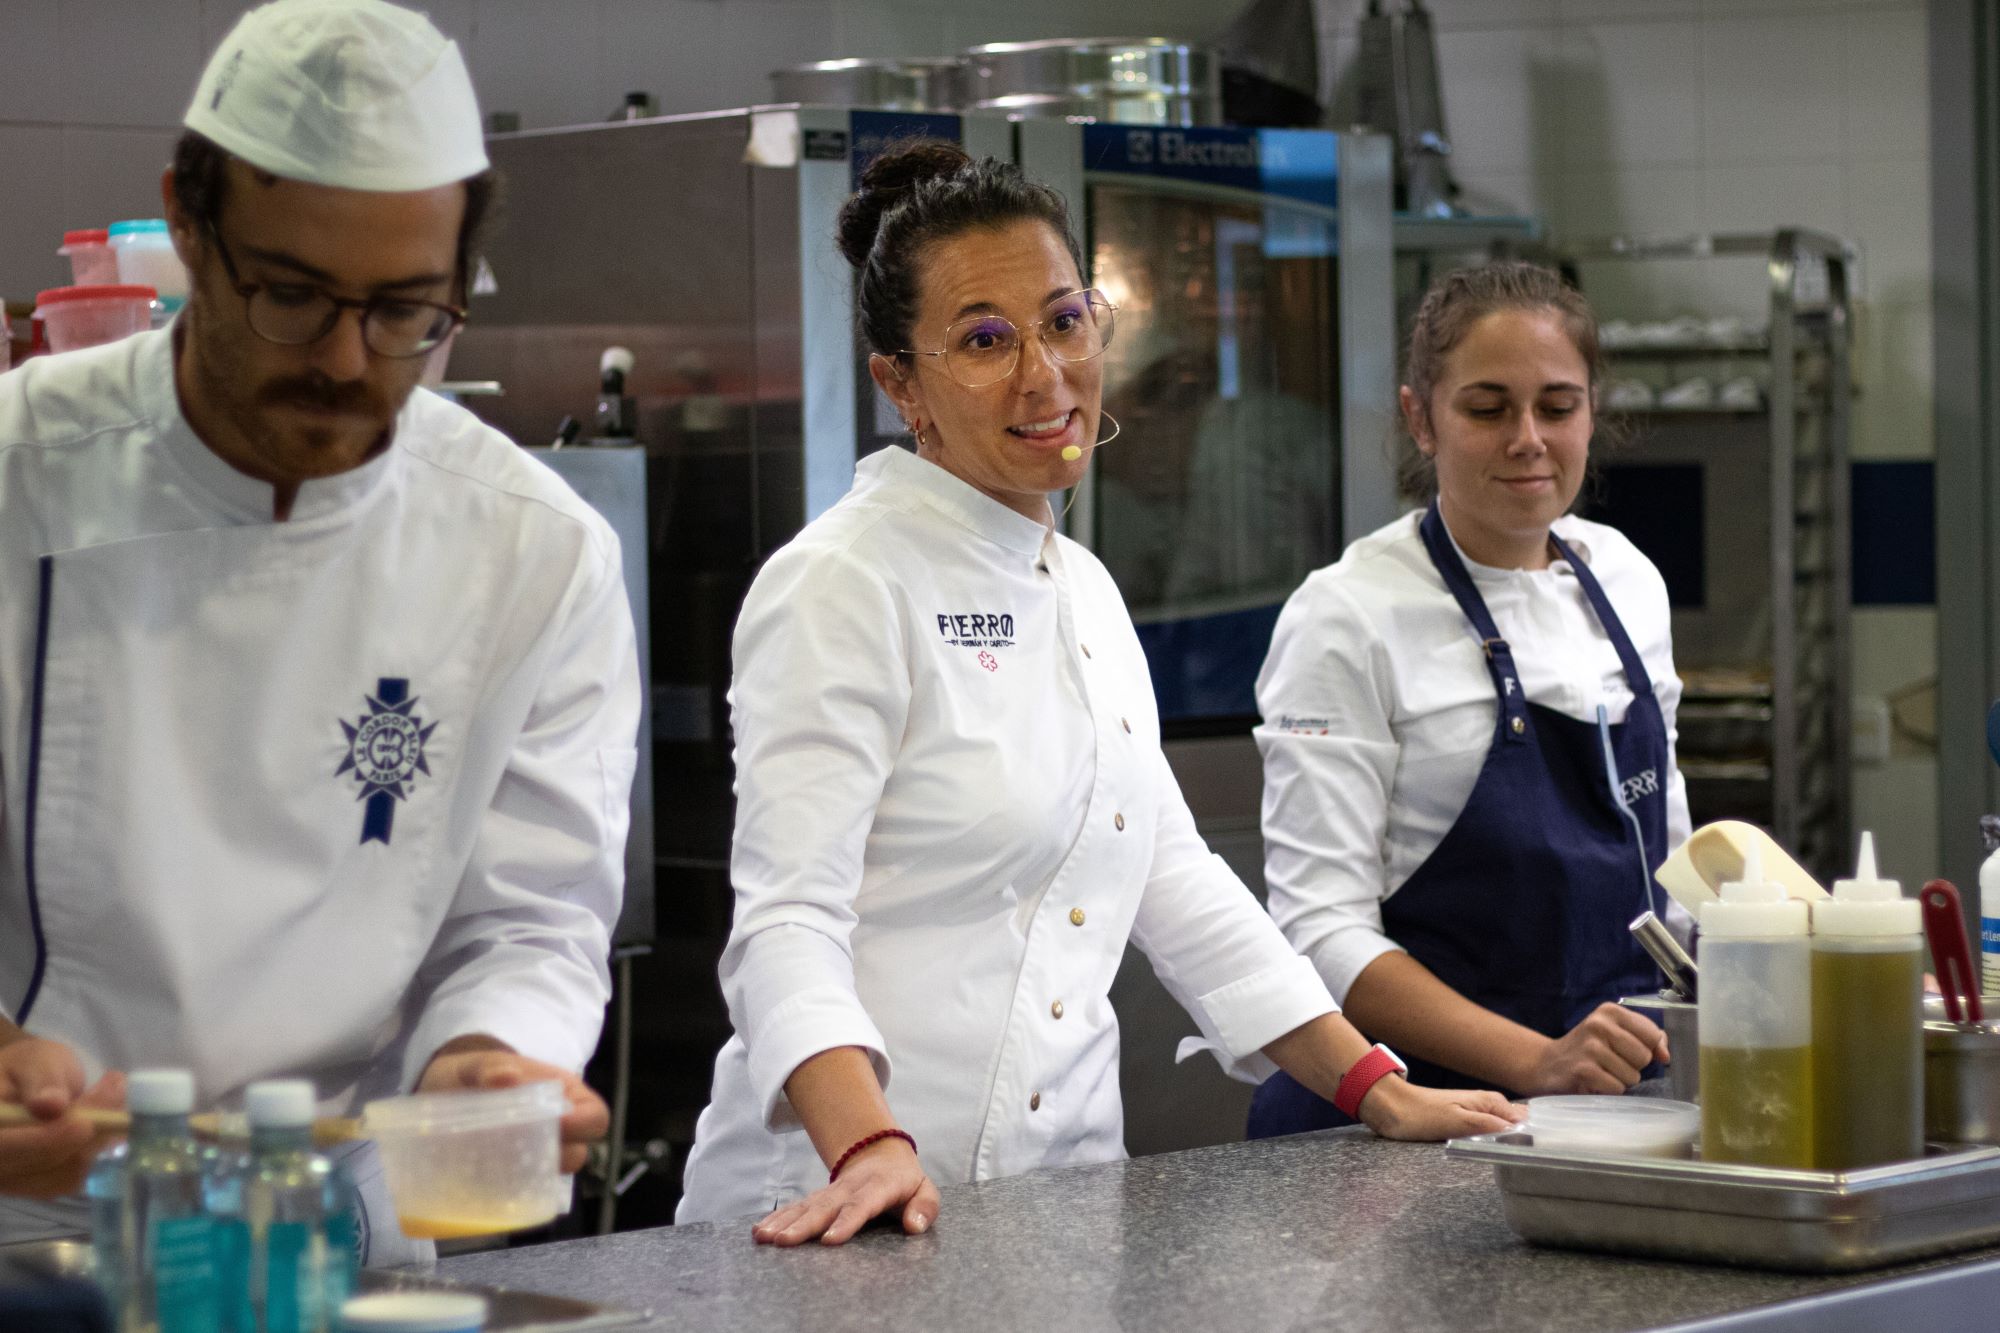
[(1951, 952)]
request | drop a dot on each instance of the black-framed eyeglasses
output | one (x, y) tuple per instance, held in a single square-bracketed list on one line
[(293, 314), (984, 349)]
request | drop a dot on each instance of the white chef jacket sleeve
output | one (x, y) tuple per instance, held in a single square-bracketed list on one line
[(1214, 950), (523, 953), (819, 698), (1330, 761)]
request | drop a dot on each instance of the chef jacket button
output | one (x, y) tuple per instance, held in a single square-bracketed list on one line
[(1076, 916), (1119, 821), (1035, 1102), (1519, 726), (1055, 1010), (1086, 648), (1127, 725)]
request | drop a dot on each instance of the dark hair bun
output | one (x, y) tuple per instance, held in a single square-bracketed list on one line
[(891, 178)]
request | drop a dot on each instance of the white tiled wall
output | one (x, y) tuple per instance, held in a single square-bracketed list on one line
[(1667, 117)]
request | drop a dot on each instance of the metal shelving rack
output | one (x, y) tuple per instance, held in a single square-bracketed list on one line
[(1779, 742)]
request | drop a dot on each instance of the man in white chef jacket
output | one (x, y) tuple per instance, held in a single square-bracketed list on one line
[(318, 699)]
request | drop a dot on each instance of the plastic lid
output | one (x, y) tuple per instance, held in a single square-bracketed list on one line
[(109, 291), (1753, 906), (137, 227), (280, 1103), (1867, 904), (86, 236), (453, 1112), (1613, 1119), (414, 1312), (159, 1092)]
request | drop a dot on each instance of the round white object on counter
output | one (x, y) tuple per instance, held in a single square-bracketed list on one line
[(414, 1312), (1624, 1126)]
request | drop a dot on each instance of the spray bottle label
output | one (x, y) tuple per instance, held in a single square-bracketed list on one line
[(1989, 954), (291, 1293), (184, 1275)]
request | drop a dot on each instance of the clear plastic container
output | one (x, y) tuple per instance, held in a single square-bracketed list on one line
[(91, 262), (1624, 1126), (471, 1163), (146, 257), (414, 1312), (74, 317)]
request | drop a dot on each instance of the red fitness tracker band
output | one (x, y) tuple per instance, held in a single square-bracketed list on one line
[(1363, 1075)]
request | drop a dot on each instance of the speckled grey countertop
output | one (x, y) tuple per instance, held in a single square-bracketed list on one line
[(1334, 1230)]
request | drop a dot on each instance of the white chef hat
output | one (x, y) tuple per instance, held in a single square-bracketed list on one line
[(355, 93)]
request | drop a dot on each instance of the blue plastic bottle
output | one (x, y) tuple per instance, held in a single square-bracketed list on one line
[(153, 1238), (285, 1219)]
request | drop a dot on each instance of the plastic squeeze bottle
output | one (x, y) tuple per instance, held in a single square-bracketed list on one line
[(153, 1239), (1868, 1021), (1755, 1023)]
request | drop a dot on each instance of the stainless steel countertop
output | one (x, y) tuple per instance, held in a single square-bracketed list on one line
[(1333, 1230)]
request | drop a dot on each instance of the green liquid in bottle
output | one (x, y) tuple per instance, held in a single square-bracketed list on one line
[(1756, 1105), (1868, 1056)]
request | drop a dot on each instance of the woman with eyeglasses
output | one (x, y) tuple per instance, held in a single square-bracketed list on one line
[(952, 806)]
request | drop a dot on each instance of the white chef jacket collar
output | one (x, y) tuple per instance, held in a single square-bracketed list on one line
[(897, 466), (243, 496), (1495, 573)]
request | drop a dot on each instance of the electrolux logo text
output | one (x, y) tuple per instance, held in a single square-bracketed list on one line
[(1173, 148)]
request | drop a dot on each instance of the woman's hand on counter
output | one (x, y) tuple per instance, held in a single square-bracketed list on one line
[(49, 1160), (1603, 1053), (882, 1178), (1398, 1109)]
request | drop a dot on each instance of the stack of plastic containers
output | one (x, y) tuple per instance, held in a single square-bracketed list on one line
[(146, 258)]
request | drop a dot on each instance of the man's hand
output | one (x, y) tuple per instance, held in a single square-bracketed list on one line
[(468, 1064), (50, 1159)]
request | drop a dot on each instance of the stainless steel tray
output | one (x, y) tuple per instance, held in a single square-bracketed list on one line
[(507, 1311), (1758, 1217)]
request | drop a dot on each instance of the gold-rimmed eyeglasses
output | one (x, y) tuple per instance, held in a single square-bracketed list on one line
[(293, 314), (984, 349)]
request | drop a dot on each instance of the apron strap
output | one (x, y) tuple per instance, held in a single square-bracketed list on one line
[(1636, 676), (1499, 657)]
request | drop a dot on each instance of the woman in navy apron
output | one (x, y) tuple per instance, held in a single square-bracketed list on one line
[(1465, 801)]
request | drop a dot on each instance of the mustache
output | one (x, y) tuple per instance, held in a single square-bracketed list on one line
[(323, 394)]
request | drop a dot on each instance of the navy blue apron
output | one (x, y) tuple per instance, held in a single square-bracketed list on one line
[(1524, 907)]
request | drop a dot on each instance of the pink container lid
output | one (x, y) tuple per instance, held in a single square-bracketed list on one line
[(88, 236), (101, 292)]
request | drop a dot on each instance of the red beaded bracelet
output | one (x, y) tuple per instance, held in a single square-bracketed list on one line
[(876, 1137)]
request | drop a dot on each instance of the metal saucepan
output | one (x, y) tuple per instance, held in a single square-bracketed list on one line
[(1961, 1076), (1677, 1017)]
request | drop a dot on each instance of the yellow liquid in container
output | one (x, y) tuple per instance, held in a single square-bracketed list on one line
[(1756, 1105), (459, 1227), (1868, 1056)]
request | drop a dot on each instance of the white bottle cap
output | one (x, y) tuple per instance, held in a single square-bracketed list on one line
[(1867, 904), (1753, 906), (159, 1092), (280, 1103)]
